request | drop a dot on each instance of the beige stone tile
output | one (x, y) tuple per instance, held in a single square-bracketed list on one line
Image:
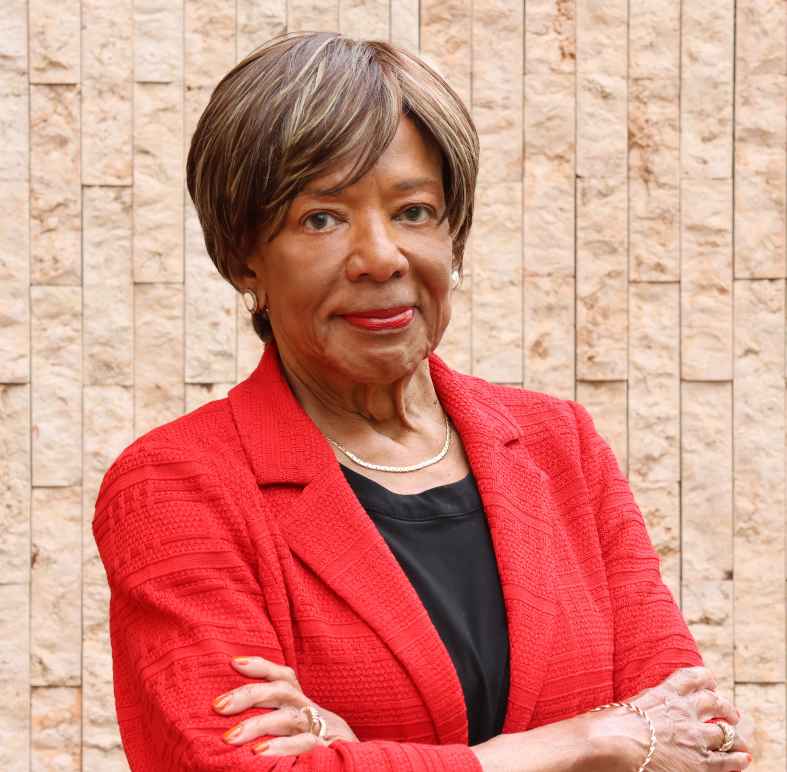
[(497, 88), (54, 41), (759, 456), (56, 724), (549, 334), (760, 37), (550, 154), (56, 604), (210, 313), (706, 279), (14, 90), (654, 383), (108, 291), (55, 218), (497, 283), (108, 421), (364, 19), (654, 39), (101, 746), (158, 183), (607, 403), (107, 78), (654, 175), (199, 394), (158, 41), (209, 41), (602, 315), (760, 183), (602, 143), (312, 15), (158, 355), (56, 385), (660, 507), (404, 24), (249, 346), (706, 475), (765, 705), (15, 483), (602, 34), (258, 21), (708, 611), (706, 88), (14, 678), (14, 283), (550, 36), (446, 36)]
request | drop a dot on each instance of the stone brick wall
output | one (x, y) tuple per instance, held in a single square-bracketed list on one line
[(629, 251)]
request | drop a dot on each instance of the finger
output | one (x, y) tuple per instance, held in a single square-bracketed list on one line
[(690, 679), (284, 722), (275, 694), (258, 667), (713, 735), (728, 762), (711, 704), (289, 746)]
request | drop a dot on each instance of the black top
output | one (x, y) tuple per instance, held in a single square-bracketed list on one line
[(442, 542)]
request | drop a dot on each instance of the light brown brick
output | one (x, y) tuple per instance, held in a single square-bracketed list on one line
[(654, 39), (706, 467), (54, 41), (708, 611), (760, 37), (765, 705), (549, 181), (55, 216), (602, 147), (56, 722), (497, 88), (654, 383), (364, 19), (602, 316), (57, 385), (15, 483), (759, 456), (108, 422), (549, 334), (446, 35), (209, 40), (404, 24), (258, 21), (108, 290), (210, 313), (654, 173), (14, 89), (706, 279), (107, 77), (312, 15), (56, 605), (550, 36), (497, 283), (199, 394), (607, 403), (14, 678), (158, 184), (158, 41), (158, 355), (602, 32)]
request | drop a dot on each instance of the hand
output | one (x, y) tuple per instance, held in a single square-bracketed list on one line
[(287, 722), (681, 708)]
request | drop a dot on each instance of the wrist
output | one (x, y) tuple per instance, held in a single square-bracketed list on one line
[(617, 740)]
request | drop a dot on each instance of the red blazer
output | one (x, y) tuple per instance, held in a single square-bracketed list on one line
[(232, 530)]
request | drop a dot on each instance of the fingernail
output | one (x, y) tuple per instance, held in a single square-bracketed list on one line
[(749, 757), (260, 747), (241, 660), (221, 702), (231, 734)]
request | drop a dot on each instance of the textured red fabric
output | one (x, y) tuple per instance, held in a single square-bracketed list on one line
[(232, 531)]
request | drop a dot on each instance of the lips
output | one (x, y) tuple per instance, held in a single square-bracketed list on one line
[(381, 318)]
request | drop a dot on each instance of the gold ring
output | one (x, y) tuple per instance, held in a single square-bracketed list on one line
[(729, 736), (317, 725)]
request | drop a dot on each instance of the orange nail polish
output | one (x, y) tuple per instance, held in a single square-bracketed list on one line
[(221, 702), (260, 747), (231, 734), (241, 660)]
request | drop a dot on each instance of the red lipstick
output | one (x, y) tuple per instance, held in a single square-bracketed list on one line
[(381, 318)]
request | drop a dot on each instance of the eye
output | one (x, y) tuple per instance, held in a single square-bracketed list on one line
[(416, 213), (320, 221)]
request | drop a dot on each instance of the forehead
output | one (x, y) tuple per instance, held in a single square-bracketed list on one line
[(411, 160)]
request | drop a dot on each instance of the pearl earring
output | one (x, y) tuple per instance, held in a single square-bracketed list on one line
[(250, 301), (454, 279)]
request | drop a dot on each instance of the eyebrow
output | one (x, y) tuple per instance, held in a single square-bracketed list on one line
[(401, 186)]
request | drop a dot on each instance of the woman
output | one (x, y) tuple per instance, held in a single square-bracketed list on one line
[(414, 569)]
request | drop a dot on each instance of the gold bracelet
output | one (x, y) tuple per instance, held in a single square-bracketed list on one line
[(630, 706)]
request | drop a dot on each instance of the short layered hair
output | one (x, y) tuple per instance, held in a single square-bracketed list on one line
[(301, 104)]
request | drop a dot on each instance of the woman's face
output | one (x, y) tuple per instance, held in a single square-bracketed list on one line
[(374, 247)]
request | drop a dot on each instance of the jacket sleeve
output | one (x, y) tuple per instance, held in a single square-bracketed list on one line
[(185, 596), (651, 638)]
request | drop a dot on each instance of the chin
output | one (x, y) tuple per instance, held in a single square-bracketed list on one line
[(384, 365)]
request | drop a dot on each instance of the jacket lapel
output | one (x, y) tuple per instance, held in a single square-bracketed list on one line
[(328, 529)]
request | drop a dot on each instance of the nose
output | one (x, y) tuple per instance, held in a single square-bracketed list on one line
[(374, 253)]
